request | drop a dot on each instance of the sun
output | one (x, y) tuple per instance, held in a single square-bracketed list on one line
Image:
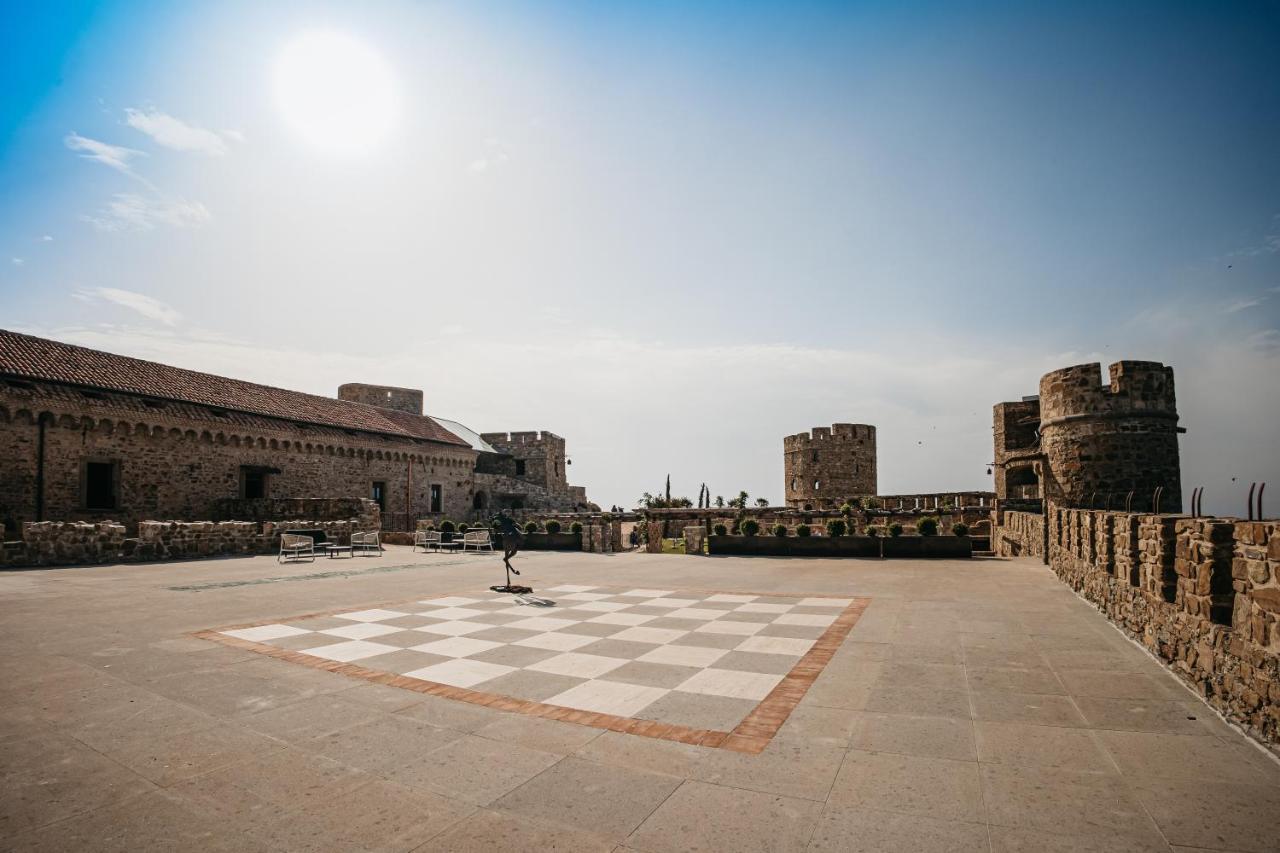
[(336, 92)]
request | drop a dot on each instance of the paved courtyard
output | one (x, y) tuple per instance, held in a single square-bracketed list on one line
[(666, 703)]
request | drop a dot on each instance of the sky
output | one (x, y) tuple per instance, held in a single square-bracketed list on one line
[(672, 233)]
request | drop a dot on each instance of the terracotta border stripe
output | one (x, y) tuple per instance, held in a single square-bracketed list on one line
[(750, 736)]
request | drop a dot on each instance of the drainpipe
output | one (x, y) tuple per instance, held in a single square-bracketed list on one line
[(40, 425), (408, 494)]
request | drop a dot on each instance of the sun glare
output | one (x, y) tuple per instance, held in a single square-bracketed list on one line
[(336, 92)]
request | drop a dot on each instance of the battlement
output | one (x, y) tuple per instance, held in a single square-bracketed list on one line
[(836, 432), (383, 396), (1136, 388), (522, 438)]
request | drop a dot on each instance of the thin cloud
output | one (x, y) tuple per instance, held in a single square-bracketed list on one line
[(17, 262), (149, 307), (1241, 305), (133, 212), (48, 238), (175, 133), (115, 156)]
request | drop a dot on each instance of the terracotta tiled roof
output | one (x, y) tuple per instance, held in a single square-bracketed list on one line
[(27, 357)]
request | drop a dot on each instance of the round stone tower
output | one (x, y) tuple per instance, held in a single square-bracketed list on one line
[(825, 468), (383, 396), (1101, 440)]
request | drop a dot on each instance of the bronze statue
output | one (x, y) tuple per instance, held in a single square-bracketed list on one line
[(512, 537)]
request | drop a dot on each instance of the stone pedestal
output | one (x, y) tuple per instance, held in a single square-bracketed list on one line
[(695, 540)]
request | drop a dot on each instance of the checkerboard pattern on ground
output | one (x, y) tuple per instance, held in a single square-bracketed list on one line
[(692, 662)]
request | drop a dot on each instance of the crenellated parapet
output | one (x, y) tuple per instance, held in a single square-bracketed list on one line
[(826, 466)]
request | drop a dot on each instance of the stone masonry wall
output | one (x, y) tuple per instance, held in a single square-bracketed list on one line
[(826, 467), (1018, 534), (180, 460), (61, 543), (1201, 594)]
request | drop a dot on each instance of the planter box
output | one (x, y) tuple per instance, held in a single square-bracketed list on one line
[(795, 546), (928, 547), (546, 542)]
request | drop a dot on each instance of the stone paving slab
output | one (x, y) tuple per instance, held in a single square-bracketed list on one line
[(974, 705)]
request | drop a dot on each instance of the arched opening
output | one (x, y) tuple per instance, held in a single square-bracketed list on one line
[(1022, 483), (480, 501)]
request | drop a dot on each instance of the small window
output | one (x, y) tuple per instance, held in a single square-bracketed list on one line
[(100, 485), (437, 497), (519, 467), (817, 484), (380, 495), (253, 483), (815, 456)]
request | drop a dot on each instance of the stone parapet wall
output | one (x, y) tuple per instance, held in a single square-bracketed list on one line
[(62, 543), (366, 511), (1201, 594), (677, 519), (1018, 534)]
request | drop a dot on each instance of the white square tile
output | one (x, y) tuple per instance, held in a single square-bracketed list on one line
[(585, 596), (361, 630), (556, 642), (820, 620), (519, 610), (570, 588), (461, 672), (746, 629), (647, 593), (826, 602), (737, 599), (609, 697), (695, 613), (577, 664), (764, 608), (453, 613), (453, 629), (678, 655), (371, 615), (775, 646), (450, 601), (672, 603), (642, 634), (541, 623), (600, 606), (350, 650), (265, 632), (623, 618), (731, 683), (456, 647)]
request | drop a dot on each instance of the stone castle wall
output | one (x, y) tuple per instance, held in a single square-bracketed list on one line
[(383, 396), (1110, 439), (1201, 594), (826, 467), (543, 454), (179, 460)]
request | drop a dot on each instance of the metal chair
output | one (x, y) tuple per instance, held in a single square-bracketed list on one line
[(480, 540), (366, 543), (296, 547)]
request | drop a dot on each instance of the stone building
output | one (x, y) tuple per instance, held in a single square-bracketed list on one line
[(88, 435), (1082, 443), (826, 467)]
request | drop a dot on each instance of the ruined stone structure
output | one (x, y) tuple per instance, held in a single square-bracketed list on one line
[(526, 471), (1201, 594), (90, 436), (1082, 443), (826, 467)]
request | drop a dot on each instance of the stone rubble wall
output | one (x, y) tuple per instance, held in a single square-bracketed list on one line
[(1018, 534), (61, 543), (1201, 594), (675, 520), (695, 540), (366, 511)]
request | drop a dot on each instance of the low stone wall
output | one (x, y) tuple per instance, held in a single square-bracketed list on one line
[(675, 520), (1018, 533), (1201, 594), (62, 543)]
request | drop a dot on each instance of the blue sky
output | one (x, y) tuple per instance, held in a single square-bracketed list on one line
[(671, 233)]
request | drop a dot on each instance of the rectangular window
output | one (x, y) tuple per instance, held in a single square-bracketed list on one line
[(380, 495), (437, 498), (100, 485), (519, 467), (253, 483)]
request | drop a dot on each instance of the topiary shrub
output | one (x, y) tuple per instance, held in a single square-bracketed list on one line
[(872, 531), (836, 527), (446, 526), (576, 527), (719, 530), (959, 529), (464, 527), (803, 530), (750, 527), (895, 530), (552, 526), (927, 526), (846, 509), (779, 530), (531, 527)]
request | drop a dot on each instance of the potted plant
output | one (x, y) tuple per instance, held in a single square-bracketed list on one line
[(750, 527), (531, 527), (927, 526), (576, 527), (719, 530), (836, 527), (779, 530), (959, 529), (803, 531), (446, 530)]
